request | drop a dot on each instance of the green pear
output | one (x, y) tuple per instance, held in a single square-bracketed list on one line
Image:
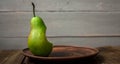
[(37, 40)]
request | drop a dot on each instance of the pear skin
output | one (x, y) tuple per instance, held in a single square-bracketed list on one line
[(37, 40)]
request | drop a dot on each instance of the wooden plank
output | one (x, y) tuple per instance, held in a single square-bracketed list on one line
[(93, 5), (5, 55), (17, 24), (11, 57), (20, 43), (16, 58), (13, 43), (107, 55), (60, 5)]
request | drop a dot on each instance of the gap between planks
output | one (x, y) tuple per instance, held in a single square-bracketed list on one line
[(81, 36)]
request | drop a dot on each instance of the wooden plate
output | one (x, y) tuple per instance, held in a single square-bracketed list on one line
[(64, 52)]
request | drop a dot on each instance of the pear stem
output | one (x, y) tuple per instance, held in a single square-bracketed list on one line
[(33, 9)]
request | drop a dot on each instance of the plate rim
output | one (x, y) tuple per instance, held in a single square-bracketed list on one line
[(62, 58)]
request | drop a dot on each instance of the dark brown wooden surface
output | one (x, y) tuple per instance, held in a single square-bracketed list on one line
[(107, 55)]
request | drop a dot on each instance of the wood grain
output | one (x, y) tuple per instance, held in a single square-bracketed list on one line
[(11, 57), (61, 5), (107, 55), (84, 22), (61, 23), (20, 43)]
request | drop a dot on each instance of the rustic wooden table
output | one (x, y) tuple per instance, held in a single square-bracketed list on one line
[(107, 55)]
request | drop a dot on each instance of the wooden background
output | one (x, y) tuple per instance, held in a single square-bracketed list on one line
[(69, 22)]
